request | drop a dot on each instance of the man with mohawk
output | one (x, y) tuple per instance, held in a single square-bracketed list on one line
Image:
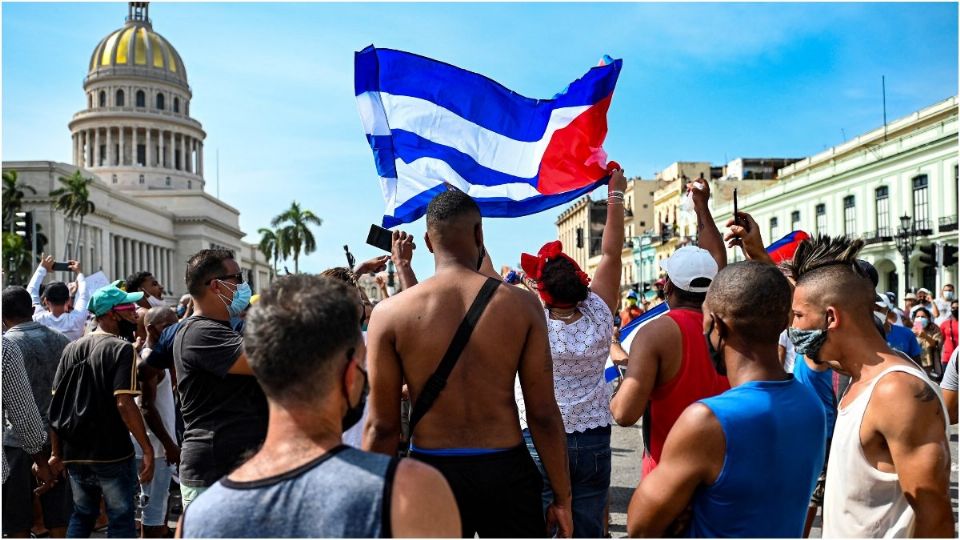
[(890, 458)]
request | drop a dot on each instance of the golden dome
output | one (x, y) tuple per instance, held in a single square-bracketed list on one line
[(137, 46)]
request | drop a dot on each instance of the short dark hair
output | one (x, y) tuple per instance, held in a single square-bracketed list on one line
[(298, 334), (135, 281), (560, 279), (17, 304), (923, 309), (56, 293), (450, 205), (203, 266), (687, 297), (753, 298)]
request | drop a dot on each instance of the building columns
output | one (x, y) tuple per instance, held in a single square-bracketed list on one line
[(123, 148), (133, 155), (200, 158), (109, 156), (163, 155), (149, 153), (96, 150)]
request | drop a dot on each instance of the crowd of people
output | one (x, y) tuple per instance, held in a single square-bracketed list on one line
[(475, 404)]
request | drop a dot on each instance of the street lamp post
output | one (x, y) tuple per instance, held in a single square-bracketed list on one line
[(906, 240)]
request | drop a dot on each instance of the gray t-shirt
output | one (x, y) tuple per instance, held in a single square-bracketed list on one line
[(344, 493), (41, 347), (949, 381)]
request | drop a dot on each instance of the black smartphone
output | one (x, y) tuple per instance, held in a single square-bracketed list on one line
[(736, 215), (61, 266), (380, 238)]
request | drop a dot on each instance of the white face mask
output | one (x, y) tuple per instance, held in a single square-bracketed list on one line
[(155, 302), (948, 295)]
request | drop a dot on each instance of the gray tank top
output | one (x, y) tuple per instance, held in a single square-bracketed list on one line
[(343, 494)]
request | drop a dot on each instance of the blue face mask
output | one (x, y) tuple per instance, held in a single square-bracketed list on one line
[(241, 299)]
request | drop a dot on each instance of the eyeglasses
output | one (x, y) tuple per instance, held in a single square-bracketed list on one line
[(238, 276)]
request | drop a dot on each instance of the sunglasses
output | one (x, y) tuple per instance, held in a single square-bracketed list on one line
[(124, 307), (238, 276)]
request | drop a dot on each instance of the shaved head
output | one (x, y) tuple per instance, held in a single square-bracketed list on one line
[(451, 211), (753, 298), (828, 271), (160, 316)]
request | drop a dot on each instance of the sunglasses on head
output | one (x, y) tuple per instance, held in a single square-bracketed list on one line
[(238, 276)]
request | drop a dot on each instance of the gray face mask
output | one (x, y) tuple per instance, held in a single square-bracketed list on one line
[(808, 342)]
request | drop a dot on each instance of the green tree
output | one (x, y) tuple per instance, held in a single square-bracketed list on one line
[(295, 235), (17, 257), (272, 246), (13, 194), (73, 199)]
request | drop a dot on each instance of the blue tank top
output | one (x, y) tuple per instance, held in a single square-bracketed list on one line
[(821, 382), (343, 494), (775, 435)]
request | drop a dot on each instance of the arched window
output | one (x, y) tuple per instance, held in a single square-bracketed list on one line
[(141, 99), (160, 102), (176, 104), (103, 99), (119, 98), (141, 178)]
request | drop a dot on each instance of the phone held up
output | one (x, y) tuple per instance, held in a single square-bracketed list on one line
[(380, 238), (61, 266)]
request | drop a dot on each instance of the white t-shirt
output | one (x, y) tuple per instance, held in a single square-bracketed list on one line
[(580, 350), (944, 307), (70, 324), (791, 354)]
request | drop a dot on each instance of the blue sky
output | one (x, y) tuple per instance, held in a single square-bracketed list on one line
[(273, 87)]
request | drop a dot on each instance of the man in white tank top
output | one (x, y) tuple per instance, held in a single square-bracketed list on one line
[(890, 461)]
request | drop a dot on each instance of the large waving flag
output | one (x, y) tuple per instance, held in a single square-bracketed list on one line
[(628, 332), (430, 124)]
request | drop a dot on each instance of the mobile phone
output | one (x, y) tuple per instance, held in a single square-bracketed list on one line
[(736, 215), (61, 266), (380, 238)]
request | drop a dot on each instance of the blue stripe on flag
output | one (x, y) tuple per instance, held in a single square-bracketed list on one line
[(501, 110), (611, 371), (415, 207), (384, 155), (410, 147)]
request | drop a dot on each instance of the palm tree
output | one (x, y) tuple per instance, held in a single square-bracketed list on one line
[(295, 234), (272, 246), (13, 193), (73, 199)]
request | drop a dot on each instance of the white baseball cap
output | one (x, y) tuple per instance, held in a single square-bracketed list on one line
[(690, 263)]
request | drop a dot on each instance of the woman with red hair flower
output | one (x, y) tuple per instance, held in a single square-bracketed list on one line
[(580, 315)]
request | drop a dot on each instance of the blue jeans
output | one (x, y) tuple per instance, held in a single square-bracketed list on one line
[(588, 453), (154, 514), (117, 483)]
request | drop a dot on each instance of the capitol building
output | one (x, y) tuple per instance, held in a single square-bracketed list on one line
[(145, 152)]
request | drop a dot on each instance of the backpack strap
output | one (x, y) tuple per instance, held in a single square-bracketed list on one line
[(436, 383)]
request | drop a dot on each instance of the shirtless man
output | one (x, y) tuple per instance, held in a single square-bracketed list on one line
[(889, 473), (472, 432)]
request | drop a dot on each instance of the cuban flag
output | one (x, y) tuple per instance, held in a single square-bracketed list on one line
[(431, 124), (627, 333), (784, 248)]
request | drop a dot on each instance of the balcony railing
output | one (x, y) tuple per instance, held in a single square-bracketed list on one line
[(876, 237), (948, 223)]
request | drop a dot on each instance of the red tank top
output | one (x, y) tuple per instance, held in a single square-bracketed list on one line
[(697, 379)]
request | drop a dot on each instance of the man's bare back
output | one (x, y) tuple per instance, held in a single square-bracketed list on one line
[(412, 332)]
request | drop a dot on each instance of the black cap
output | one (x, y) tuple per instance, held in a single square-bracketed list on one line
[(57, 293), (870, 271)]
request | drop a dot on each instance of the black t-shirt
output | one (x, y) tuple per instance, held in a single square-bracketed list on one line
[(225, 414), (114, 372)]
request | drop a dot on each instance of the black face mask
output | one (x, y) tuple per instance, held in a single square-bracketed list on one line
[(126, 330), (716, 355), (355, 412), (954, 313)]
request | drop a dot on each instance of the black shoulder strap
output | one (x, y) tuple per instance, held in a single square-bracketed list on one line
[(438, 380)]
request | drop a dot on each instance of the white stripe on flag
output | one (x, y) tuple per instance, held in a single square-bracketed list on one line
[(442, 126), (424, 169)]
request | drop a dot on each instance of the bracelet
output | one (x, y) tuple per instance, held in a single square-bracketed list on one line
[(614, 203), (614, 193)]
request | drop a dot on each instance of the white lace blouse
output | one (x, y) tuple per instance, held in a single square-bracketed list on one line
[(580, 350)]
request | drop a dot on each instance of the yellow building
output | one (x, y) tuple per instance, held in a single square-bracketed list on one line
[(673, 227)]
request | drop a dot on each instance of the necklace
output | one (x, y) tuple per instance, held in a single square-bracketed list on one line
[(566, 317)]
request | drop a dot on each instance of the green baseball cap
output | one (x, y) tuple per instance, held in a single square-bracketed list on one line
[(110, 297)]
